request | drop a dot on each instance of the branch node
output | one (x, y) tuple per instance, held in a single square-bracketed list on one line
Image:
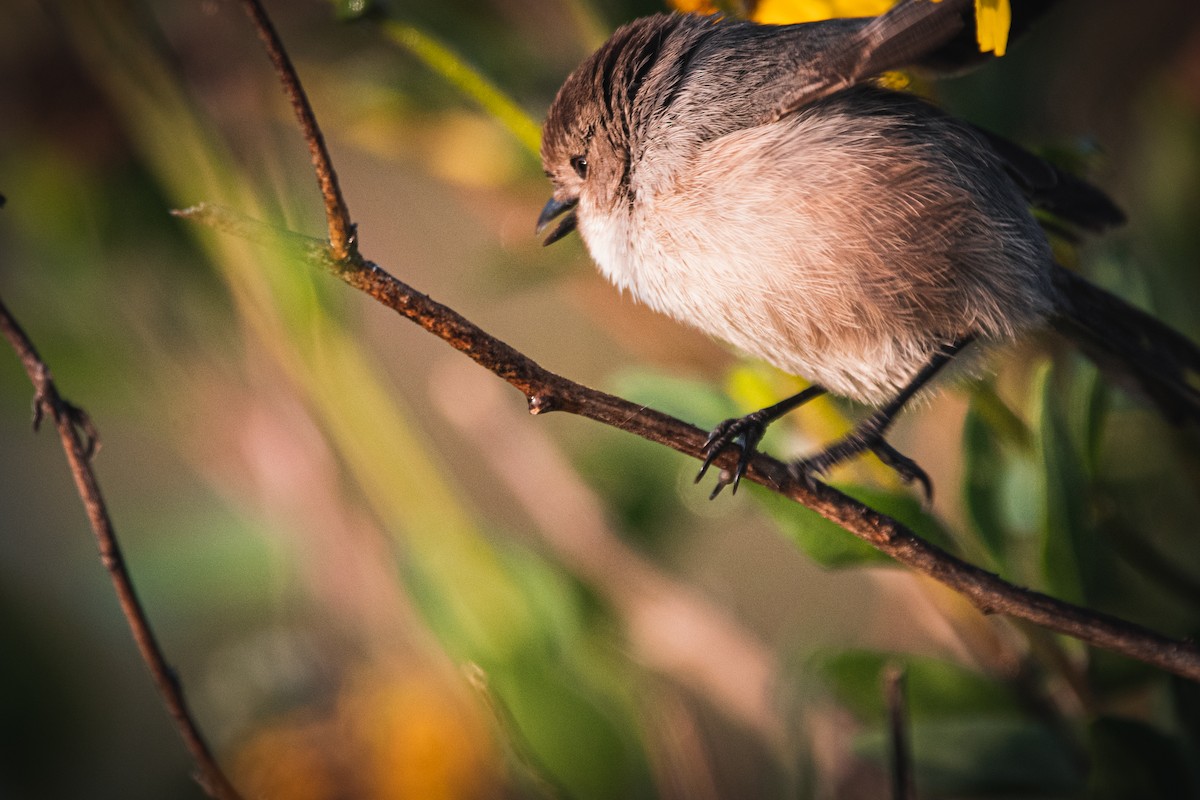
[(41, 406), (337, 215), (81, 421), (542, 403)]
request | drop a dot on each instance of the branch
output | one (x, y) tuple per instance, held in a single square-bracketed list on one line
[(546, 391), (79, 441), (341, 229)]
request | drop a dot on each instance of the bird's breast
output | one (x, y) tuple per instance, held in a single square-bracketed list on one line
[(813, 246)]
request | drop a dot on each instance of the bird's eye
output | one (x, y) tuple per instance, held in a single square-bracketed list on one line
[(580, 165)]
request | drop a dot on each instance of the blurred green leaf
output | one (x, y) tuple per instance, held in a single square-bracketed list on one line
[(209, 546), (468, 80), (640, 493), (935, 688), (983, 484), (1067, 537), (1089, 401), (832, 546), (694, 401), (823, 541), (1006, 426), (561, 695), (572, 732)]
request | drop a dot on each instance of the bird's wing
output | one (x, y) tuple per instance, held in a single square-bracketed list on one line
[(904, 35), (938, 35)]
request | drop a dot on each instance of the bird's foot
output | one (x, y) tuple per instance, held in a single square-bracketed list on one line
[(742, 432), (858, 441)]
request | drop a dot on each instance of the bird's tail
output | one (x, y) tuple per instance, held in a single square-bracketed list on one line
[(1161, 363)]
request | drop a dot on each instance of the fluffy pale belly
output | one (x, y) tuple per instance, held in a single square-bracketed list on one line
[(814, 325), (857, 298)]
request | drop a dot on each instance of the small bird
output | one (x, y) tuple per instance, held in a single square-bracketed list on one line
[(862, 240)]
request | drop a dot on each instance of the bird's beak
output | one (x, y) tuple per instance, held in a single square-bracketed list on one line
[(553, 208)]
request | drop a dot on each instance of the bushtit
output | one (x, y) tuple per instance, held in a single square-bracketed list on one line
[(861, 241)]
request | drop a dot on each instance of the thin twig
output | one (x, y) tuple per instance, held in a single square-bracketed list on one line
[(545, 391), (79, 442), (903, 785), (341, 229)]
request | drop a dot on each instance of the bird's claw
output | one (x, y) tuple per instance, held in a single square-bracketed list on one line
[(818, 465), (905, 467), (746, 433), (723, 480)]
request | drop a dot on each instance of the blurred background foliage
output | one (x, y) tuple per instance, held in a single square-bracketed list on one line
[(378, 577)]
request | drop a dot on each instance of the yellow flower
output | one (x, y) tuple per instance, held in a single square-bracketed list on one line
[(992, 17), (779, 12), (695, 6), (992, 20)]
